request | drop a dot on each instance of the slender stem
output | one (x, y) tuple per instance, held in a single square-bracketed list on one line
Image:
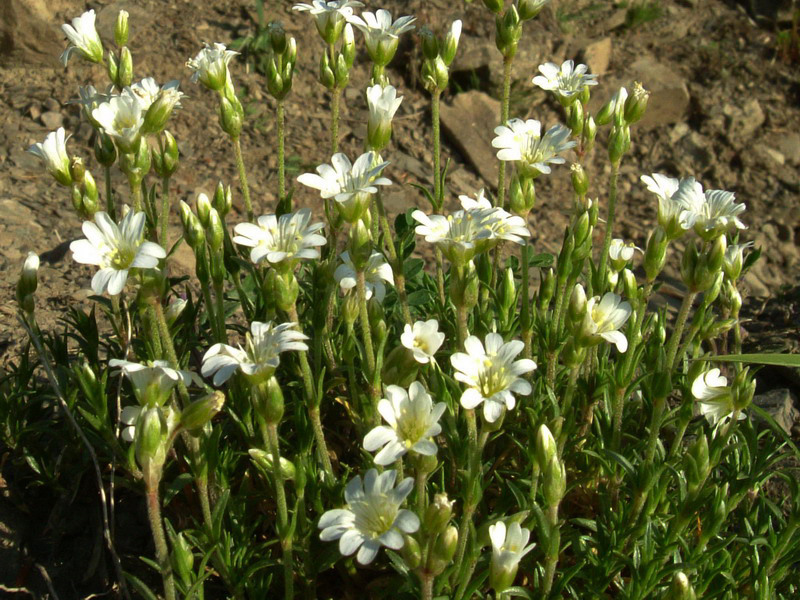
[(463, 330), (551, 560), (612, 207), (525, 313), (361, 288), (212, 317), (469, 503), (283, 513), (422, 496), (504, 109), (437, 159), (163, 218), (169, 347), (566, 408), (219, 297), (336, 95), (110, 207), (427, 585), (281, 124), (160, 539), (397, 264), (440, 276), (136, 193), (677, 333), (237, 150)]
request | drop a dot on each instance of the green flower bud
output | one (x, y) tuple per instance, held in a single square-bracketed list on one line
[(160, 110), (192, 228), (636, 104), (141, 159), (223, 199), (606, 112), (555, 481), (277, 37), (576, 311), (580, 180), (230, 116), (412, 554), (681, 588), (444, 548), (450, 46), (655, 253), (522, 195), (326, 76), (496, 6), (564, 265), (125, 68), (28, 282), (697, 465), (742, 389), (121, 29), (286, 290), (509, 30), (546, 447), (182, 557), (104, 150), (268, 400), (203, 207), (589, 133), (430, 45), (508, 291), (547, 288), (349, 46), (574, 353), (112, 67), (264, 460), (712, 293), (437, 515), (165, 159), (215, 231), (76, 170), (619, 142), (359, 245), (341, 71), (689, 263), (195, 416), (575, 118), (529, 9), (90, 196), (151, 432), (716, 255), (631, 285)]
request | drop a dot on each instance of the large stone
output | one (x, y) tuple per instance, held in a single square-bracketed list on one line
[(669, 97), (29, 33), (469, 122), (744, 121), (781, 406), (597, 56)]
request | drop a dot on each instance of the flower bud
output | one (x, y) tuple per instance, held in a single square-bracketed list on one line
[(286, 290), (509, 30), (349, 46), (450, 46), (546, 447), (716, 255), (165, 159), (697, 465), (496, 6), (277, 37), (192, 228), (223, 199), (28, 282), (619, 142), (359, 245), (350, 308), (412, 554), (121, 29), (580, 180), (182, 557), (547, 288), (689, 263), (575, 118), (264, 460), (655, 253), (215, 231), (230, 116), (195, 416), (712, 293), (91, 199), (742, 389), (76, 170), (508, 291), (444, 548), (124, 69), (630, 284), (141, 159), (574, 353), (681, 588), (112, 67), (160, 110), (326, 76), (104, 150), (268, 400), (529, 9), (555, 482), (576, 310), (636, 104), (151, 431), (203, 207), (438, 514), (430, 46), (174, 310), (522, 195)]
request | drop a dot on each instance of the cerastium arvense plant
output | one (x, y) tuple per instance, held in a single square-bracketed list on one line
[(357, 422)]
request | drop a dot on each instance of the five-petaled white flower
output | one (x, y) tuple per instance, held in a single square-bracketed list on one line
[(147, 90), (53, 154), (329, 17), (603, 319), (260, 356), (718, 214), (675, 201), (423, 339), (115, 249), (565, 82), (285, 239), (376, 272), (372, 517), (412, 421), (523, 143), (83, 37), (492, 374), (381, 33), (122, 117), (714, 396), (210, 66), (153, 382), (509, 545)]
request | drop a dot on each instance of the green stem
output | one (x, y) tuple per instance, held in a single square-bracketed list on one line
[(469, 504), (237, 150), (219, 297), (361, 288), (422, 496), (677, 333), (169, 347), (335, 101), (525, 313), (163, 218), (110, 207), (136, 193), (551, 560), (160, 539), (427, 585), (212, 318), (437, 159), (612, 207), (281, 124), (397, 265), (440, 277), (504, 109), (283, 513), (463, 330)]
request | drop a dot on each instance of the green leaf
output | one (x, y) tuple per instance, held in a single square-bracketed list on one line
[(140, 587), (419, 298), (180, 482), (775, 359), (542, 260)]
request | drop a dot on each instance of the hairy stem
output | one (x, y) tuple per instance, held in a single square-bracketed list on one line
[(237, 149), (163, 218), (159, 537), (437, 158), (281, 124), (504, 109), (283, 513), (612, 207)]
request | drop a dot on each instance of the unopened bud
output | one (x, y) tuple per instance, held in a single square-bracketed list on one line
[(509, 30), (496, 6), (125, 68), (580, 180), (529, 9), (112, 67), (619, 142), (150, 433), (547, 288), (349, 45), (412, 554), (203, 206), (215, 231), (450, 45), (265, 461), (555, 482), (223, 200), (443, 550), (182, 557), (575, 118), (268, 400), (697, 463), (160, 110), (742, 389), (195, 416), (121, 29), (430, 46), (636, 104), (104, 150), (576, 310), (359, 245), (655, 253), (28, 282), (589, 133), (546, 447), (193, 231), (681, 588), (230, 116), (165, 159), (438, 514)]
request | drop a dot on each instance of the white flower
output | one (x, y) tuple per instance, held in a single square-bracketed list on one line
[(502, 224), (566, 82), (733, 261), (381, 33), (210, 66), (286, 239), (122, 118), (376, 272), (604, 318), (372, 517), (153, 382), (383, 104), (676, 199), (351, 185), (83, 37), (329, 17), (413, 420), (89, 99), (523, 143), (260, 356), (492, 374), (423, 339), (508, 548), (621, 253), (115, 249), (147, 90), (718, 214), (53, 154), (714, 396)]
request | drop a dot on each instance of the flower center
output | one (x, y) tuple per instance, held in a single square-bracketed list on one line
[(375, 515), (121, 257), (493, 378)]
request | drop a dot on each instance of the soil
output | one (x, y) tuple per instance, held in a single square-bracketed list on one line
[(731, 106)]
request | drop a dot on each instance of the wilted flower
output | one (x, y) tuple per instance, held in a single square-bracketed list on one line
[(376, 272), (508, 548), (122, 118), (210, 66), (115, 249), (603, 320), (372, 517), (329, 17), (260, 356), (412, 421), (153, 382), (285, 239), (349, 184), (381, 33), (53, 154), (714, 396), (565, 82), (423, 339), (523, 143), (83, 37), (492, 374)]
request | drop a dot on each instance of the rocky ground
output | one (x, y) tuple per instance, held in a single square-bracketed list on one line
[(725, 108)]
